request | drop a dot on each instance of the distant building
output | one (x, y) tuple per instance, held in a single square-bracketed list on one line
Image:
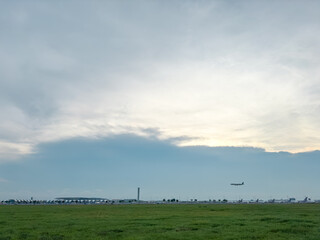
[(82, 199)]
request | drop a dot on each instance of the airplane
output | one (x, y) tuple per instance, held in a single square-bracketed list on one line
[(237, 184), (305, 200)]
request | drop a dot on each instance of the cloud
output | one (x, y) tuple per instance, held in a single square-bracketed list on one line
[(113, 167), (197, 70), (13, 151), (2, 180)]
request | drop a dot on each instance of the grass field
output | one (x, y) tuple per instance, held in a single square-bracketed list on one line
[(292, 221)]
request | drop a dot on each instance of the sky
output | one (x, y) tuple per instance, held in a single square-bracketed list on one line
[(100, 97)]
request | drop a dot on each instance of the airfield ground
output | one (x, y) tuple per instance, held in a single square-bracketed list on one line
[(234, 221)]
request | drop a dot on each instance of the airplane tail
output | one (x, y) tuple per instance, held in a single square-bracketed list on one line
[(306, 199)]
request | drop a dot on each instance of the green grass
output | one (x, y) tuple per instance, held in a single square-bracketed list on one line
[(276, 221)]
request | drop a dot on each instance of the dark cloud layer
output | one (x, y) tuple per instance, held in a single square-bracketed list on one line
[(114, 166)]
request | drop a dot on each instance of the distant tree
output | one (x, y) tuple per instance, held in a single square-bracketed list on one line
[(163, 200)]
